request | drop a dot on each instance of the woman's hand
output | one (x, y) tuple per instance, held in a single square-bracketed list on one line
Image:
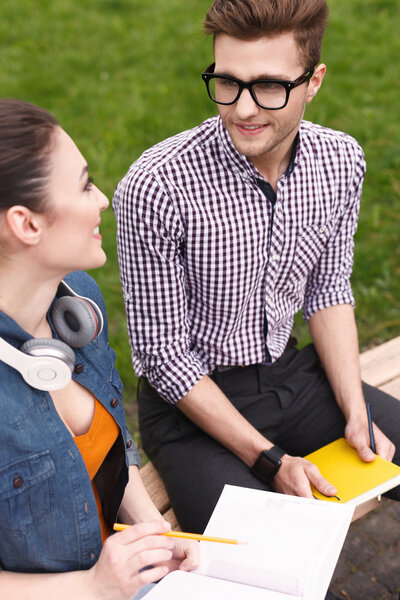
[(185, 555), (118, 573)]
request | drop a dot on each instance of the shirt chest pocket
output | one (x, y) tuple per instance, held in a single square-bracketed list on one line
[(26, 491), (310, 244)]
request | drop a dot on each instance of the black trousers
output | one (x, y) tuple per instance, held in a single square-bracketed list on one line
[(290, 402)]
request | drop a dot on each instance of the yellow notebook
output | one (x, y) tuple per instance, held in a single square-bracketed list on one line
[(355, 480)]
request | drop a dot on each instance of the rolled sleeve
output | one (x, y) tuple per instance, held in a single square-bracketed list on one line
[(150, 238), (329, 282)]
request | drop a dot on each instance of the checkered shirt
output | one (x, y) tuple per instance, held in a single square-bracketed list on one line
[(207, 260)]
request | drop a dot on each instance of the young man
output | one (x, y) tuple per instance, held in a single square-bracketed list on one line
[(224, 233)]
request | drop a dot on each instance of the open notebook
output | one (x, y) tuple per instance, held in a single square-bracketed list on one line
[(292, 548)]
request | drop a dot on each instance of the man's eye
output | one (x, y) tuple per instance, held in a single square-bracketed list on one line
[(227, 83), (268, 86)]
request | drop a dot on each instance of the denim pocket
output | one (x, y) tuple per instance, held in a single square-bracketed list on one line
[(26, 491)]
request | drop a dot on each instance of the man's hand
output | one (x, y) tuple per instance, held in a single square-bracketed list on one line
[(296, 476), (357, 435)]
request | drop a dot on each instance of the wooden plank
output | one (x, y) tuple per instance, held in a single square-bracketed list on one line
[(366, 507), (392, 388), (155, 487), (382, 363), (169, 516)]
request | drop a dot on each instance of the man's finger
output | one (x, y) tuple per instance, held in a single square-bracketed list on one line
[(323, 485), (365, 453)]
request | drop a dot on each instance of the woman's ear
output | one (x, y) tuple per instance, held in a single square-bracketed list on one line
[(24, 224), (315, 81)]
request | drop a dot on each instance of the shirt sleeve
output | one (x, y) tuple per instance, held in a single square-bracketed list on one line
[(329, 282), (150, 241)]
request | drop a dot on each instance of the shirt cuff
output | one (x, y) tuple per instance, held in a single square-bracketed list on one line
[(174, 379), (326, 300)]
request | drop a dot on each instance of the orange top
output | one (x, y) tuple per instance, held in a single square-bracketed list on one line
[(94, 447)]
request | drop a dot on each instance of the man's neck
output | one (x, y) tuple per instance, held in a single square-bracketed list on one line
[(274, 164)]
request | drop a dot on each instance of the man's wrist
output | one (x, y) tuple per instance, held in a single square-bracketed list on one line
[(268, 464)]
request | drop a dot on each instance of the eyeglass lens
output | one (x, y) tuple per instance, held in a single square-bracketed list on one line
[(269, 95)]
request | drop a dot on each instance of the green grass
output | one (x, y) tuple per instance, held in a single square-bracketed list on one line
[(120, 75)]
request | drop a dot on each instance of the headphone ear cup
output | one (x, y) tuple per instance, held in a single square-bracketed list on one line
[(75, 320), (53, 366), (97, 312)]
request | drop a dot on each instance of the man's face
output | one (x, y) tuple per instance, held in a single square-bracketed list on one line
[(257, 132)]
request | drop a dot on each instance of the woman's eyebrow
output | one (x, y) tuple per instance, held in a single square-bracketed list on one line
[(85, 170)]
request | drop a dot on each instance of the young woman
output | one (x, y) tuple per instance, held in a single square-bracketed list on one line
[(68, 466)]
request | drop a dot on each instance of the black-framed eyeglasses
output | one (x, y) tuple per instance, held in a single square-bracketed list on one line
[(272, 94)]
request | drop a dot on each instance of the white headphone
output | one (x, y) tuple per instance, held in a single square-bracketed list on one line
[(45, 363)]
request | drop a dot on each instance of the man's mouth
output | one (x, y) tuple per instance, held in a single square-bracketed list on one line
[(250, 129)]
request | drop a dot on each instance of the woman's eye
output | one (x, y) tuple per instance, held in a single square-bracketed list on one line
[(89, 184)]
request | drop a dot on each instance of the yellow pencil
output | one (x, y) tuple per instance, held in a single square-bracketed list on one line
[(189, 536)]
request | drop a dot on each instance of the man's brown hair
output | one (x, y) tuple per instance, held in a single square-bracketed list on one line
[(253, 19)]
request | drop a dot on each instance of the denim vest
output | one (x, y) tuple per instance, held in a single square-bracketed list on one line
[(48, 516)]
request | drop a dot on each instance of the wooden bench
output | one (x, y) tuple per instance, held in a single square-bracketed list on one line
[(380, 367)]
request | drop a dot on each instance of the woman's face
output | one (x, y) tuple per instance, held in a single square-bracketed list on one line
[(70, 237)]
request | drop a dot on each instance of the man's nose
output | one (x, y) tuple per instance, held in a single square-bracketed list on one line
[(246, 106)]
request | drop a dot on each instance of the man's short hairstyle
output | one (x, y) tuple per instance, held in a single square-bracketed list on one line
[(254, 19)]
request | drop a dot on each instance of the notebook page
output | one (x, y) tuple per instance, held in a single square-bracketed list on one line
[(183, 586), (290, 541)]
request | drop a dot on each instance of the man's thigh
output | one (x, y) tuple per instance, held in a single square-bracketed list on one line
[(385, 412), (195, 472), (291, 402)]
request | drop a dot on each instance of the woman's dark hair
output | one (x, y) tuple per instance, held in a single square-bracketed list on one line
[(26, 134)]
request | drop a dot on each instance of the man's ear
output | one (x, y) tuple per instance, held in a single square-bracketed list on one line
[(315, 82), (24, 224)]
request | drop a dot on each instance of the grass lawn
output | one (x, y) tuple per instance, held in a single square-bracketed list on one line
[(121, 75)]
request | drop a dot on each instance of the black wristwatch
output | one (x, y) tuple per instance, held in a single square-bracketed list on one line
[(268, 464)]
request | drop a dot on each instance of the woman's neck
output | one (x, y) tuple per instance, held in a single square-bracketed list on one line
[(26, 296)]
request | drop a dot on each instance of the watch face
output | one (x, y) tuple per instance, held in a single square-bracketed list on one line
[(266, 466)]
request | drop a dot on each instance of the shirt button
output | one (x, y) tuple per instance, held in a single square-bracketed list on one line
[(269, 300), (322, 230), (114, 402), (78, 368), (275, 257), (127, 296), (18, 481), (129, 444)]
